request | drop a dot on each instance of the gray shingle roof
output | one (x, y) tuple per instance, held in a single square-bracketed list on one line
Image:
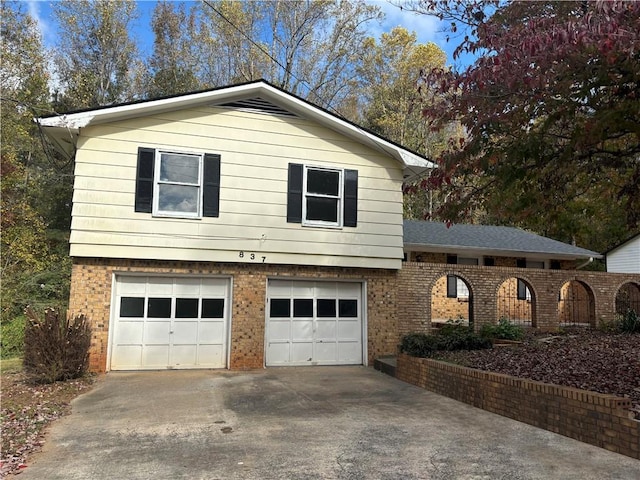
[(436, 236)]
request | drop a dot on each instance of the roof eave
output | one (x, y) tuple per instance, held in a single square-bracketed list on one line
[(499, 252), (69, 125)]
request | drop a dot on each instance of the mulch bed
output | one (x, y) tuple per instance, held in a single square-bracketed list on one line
[(27, 409), (589, 360)]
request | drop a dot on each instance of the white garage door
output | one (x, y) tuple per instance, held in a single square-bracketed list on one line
[(169, 323), (314, 323)]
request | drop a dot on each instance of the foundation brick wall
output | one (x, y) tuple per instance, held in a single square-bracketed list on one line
[(91, 283), (416, 281), (594, 418)]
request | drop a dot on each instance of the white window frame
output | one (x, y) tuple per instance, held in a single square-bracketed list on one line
[(157, 182), (462, 290), (339, 197)]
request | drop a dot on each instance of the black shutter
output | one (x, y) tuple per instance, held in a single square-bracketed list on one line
[(211, 186), (294, 193), (144, 180), (522, 290), (350, 198), (452, 286)]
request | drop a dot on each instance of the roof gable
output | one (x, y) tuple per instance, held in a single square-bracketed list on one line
[(490, 239), (259, 96)]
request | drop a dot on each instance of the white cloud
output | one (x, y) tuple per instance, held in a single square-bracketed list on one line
[(43, 25), (426, 27)]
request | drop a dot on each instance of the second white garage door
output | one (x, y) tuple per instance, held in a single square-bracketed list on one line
[(169, 322), (314, 323)]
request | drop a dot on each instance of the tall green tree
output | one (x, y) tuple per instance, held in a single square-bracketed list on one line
[(309, 48), (173, 66), (96, 59), (27, 243), (552, 110)]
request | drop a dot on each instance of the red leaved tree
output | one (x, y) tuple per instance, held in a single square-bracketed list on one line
[(551, 108)]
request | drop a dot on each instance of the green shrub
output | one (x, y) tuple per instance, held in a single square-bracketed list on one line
[(56, 348), (453, 327), (630, 322), (504, 330), (462, 340), (418, 344), (12, 337), (453, 338)]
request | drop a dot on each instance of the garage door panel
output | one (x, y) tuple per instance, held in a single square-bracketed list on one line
[(129, 332), (187, 287), (349, 329), (160, 286), (326, 329), (278, 352), (302, 329), (326, 352), (301, 352), (128, 355), (155, 356), (209, 355), (210, 331), (350, 351), (183, 355), (157, 331), (167, 322), (185, 332), (280, 329), (131, 286)]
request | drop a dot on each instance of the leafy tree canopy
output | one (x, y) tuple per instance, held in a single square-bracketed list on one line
[(551, 109)]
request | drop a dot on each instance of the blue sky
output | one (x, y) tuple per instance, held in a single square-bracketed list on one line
[(427, 28)]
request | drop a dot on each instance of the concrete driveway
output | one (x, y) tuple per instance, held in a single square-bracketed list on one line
[(300, 423)]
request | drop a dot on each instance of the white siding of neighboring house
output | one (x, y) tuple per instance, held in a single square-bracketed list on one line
[(256, 150), (625, 258)]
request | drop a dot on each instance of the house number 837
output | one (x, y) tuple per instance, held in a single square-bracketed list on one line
[(251, 256)]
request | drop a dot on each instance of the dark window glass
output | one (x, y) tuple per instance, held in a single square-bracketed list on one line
[(322, 209), (159, 308), (280, 307), (452, 286), (452, 259), (213, 308), (303, 307), (522, 290), (132, 307), (489, 261), (326, 308), (186, 308), (323, 182), (555, 265), (348, 308), (521, 263)]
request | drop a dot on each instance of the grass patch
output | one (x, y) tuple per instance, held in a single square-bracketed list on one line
[(11, 365)]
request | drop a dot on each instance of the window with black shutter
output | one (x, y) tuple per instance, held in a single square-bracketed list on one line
[(322, 196), (177, 184)]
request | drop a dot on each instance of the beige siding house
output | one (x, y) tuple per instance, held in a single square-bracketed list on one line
[(233, 228)]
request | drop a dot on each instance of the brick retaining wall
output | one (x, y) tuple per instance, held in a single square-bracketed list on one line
[(594, 418)]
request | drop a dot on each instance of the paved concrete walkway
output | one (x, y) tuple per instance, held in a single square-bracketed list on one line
[(300, 423)]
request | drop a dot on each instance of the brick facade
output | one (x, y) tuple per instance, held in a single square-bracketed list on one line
[(595, 418), (417, 282), (92, 279)]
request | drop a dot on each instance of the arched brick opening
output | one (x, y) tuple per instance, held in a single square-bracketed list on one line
[(628, 298), (516, 302), (451, 300), (576, 305)]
